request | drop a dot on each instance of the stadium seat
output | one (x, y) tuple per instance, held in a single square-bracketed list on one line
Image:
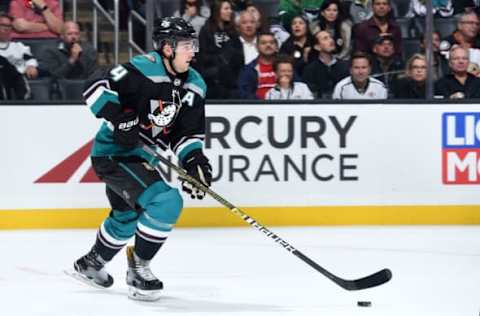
[(40, 88), (268, 7), (405, 25), (445, 26), (71, 90), (410, 47), (402, 7), (37, 46)]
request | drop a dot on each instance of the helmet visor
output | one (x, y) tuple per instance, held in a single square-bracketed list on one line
[(187, 45)]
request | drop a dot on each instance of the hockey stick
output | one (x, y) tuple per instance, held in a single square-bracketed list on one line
[(375, 279)]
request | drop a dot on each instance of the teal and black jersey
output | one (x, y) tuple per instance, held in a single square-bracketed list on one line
[(171, 109)]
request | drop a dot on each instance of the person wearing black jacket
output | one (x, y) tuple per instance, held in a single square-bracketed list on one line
[(459, 84), (13, 85), (323, 73), (413, 85), (213, 60)]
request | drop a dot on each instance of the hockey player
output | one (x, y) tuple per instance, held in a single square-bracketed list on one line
[(158, 100)]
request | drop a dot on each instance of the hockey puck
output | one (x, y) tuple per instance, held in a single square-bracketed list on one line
[(364, 303)]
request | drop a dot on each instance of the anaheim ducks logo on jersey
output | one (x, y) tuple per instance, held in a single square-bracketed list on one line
[(163, 113)]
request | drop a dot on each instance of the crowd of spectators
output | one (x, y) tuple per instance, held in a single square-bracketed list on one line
[(308, 49)]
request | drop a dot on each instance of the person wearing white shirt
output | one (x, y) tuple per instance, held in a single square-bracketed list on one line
[(360, 85), (286, 88), (248, 36), (16, 53)]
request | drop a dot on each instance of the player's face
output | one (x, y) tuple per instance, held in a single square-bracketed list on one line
[(184, 53), (5, 29), (360, 70)]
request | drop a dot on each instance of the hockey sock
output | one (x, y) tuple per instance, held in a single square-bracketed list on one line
[(147, 246)]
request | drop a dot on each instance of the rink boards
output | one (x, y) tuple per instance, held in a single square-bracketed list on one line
[(295, 164)]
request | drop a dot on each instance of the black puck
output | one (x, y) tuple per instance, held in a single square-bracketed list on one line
[(364, 303)]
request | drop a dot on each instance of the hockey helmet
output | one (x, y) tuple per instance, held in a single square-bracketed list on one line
[(172, 30)]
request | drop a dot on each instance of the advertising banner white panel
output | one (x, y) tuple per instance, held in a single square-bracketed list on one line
[(266, 155)]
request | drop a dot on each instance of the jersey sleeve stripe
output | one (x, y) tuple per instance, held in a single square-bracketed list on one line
[(186, 147), (102, 98), (195, 89)]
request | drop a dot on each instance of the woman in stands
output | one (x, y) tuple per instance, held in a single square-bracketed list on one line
[(332, 19), (299, 43), (213, 62), (413, 85), (193, 12)]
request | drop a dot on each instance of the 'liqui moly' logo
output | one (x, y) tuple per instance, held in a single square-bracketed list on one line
[(461, 148)]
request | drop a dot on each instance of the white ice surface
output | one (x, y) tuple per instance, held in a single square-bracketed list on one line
[(436, 271)]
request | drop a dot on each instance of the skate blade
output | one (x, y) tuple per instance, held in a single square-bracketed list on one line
[(85, 280), (143, 295)]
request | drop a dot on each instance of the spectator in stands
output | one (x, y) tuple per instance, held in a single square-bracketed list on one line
[(359, 85), (380, 24), (441, 8), (213, 62), (12, 84), (325, 71), (286, 88), (385, 65), (459, 84), (412, 86), (36, 19), (331, 18), (17, 53), (258, 77), (440, 63), (299, 43), (240, 51), (466, 34), (191, 11), (360, 10), (71, 59), (261, 21)]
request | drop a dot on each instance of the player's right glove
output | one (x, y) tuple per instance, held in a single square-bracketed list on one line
[(126, 129), (196, 164)]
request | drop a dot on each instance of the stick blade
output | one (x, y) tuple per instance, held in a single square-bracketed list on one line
[(376, 279)]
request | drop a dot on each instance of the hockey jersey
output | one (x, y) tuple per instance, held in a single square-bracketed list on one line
[(171, 110)]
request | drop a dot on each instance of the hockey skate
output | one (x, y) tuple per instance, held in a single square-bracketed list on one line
[(90, 269), (142, 284)]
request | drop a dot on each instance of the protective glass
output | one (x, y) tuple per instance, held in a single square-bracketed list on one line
[(187, 45)]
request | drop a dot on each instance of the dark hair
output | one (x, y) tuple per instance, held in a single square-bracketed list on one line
[(388, 1), (265, 33), (283, 59), (183, 6), (360, 55), (308, 34), (214, 19), (337, 25)]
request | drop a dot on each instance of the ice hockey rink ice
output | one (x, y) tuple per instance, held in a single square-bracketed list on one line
[(238, 271)]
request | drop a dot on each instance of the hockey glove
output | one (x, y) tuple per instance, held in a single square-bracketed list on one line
[(197, 166), (126, 129)]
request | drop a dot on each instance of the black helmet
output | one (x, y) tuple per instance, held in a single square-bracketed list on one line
[(172, 28)]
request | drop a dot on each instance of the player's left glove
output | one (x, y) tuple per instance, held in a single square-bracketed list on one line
[(196, 164)]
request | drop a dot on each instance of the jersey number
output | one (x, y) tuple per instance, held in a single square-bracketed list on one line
[(118, 72)]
